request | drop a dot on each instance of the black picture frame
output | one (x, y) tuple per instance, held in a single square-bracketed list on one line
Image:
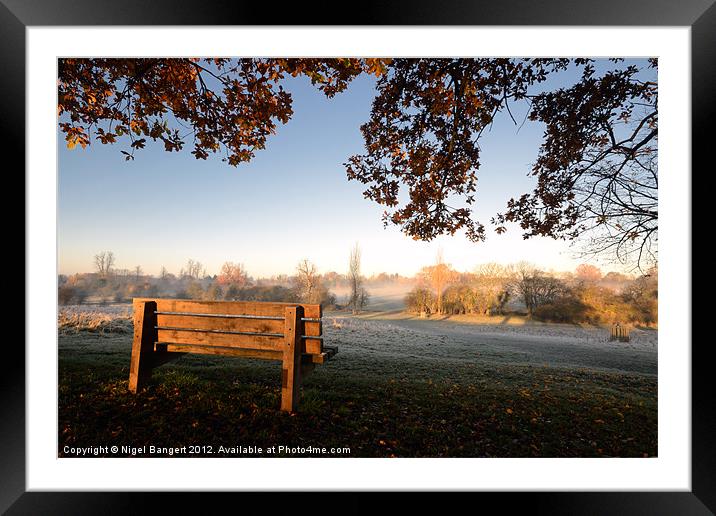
[(17, 15)]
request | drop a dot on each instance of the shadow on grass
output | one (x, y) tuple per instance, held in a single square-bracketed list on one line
[(399, 409)]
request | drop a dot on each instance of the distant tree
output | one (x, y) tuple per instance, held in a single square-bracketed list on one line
[(615, 281), (307, 282), (459, 299), (233, 274), (643, 294), (119, 296), (103, 263), (281, 279), (138, 272), (65, 294), (150, 289), (194, 290), (420, 300), (332, 278), (363, 299), (122, 273), (232, 293), (380, 278), (491, 285), (167, 278), (439, 276), (616, 277), (214, 292), (80, 295), (164, 274), (358, 296), (535, 288), (491, 270), (73, 280), (192, 270), (588, 273)]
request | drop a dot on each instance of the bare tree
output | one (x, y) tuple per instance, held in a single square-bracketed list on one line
[(491, 287), (619, 206), (193, 269), (611, 211), (534, 287), (104, 262), (307, 281), (363, 298), (164, 274), (138, 272), (358, 296)]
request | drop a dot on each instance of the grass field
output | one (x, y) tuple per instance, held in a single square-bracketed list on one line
[(399, 387)]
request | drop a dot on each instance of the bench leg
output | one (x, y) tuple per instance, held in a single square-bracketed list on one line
[(306, 369), (140, 366), (291, 371)]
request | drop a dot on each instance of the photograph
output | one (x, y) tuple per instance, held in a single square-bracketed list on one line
[(357, 257), (416, 250)]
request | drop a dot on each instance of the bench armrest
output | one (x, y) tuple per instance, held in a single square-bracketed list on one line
[(320, 358)]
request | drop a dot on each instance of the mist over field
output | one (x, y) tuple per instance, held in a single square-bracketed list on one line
[(384, 297), (584, 296)]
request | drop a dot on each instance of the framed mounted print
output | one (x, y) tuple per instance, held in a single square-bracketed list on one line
[(415, 250)]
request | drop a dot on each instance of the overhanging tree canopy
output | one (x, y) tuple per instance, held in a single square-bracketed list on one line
[(219, 105), (596, 169)]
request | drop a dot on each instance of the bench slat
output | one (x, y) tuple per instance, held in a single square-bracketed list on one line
[(263, 354), (228, 340), (219, 323), (232, 307)]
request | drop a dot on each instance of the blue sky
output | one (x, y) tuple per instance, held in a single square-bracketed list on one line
[(292, 201)]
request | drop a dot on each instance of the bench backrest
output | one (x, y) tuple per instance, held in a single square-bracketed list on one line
[(213, 326)]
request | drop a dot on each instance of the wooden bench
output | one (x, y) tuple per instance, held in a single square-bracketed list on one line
[(165, 329)]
